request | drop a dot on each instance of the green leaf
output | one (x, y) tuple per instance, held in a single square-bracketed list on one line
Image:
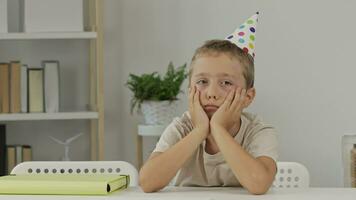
[(153, 87)]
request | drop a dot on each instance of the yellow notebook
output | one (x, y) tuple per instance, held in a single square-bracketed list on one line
[(90, 184)]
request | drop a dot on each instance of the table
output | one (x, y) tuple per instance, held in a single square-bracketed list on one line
[(212, 193)]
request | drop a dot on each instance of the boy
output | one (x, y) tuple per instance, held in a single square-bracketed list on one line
[(215, 143)]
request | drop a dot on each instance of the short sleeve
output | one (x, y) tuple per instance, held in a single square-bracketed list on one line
[(264, 143), (174, 132), (169, 137)]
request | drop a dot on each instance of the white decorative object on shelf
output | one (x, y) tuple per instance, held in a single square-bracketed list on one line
[(48, 15), (159, 112), (66, 144), (3, 16)]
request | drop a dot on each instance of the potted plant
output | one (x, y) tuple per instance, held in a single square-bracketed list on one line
[(156, 96)]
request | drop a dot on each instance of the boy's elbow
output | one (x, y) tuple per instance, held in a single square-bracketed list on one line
[(146, 185), (147, 189), (257, 191), (259, 186), (143, 183)]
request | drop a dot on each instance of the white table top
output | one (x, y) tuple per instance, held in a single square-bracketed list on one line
[(218, 193)]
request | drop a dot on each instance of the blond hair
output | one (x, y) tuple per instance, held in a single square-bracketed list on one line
[(216, 47)]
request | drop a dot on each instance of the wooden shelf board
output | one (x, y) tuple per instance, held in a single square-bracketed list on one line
[(48, 116)]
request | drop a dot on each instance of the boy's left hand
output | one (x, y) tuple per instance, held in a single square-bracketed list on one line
[(229, 113)]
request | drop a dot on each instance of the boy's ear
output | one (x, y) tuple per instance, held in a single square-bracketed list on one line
[(250, 96)]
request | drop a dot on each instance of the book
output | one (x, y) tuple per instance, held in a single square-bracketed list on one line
[(24, 91), (15, 87), (26, 153), (4, 88), (3, 16), (51, 84), (63, 184), (17, 154), (11, 158), (35, 90), (2, 150)]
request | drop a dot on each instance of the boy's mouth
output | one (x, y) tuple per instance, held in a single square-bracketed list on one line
[(210, 108)]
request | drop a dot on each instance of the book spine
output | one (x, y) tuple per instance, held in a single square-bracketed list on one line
[(4, 88), (24, 107), (26, 153), (2, 150), (35, 90), (11, 158), (15, 87), (18, 153)]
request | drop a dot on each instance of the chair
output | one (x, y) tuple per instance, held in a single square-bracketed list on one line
[(291, 175), (78, 167)]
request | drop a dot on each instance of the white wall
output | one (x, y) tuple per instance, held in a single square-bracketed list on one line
[(304, 68)]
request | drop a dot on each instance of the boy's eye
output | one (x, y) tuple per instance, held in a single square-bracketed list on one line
[(201, 81), (226, 83)]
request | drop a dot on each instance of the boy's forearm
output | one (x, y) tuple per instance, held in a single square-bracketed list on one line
[(160, 170), (250, 172)]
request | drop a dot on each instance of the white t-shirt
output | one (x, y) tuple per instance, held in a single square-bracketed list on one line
[(203, 169)]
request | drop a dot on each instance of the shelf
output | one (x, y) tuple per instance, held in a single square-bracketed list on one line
[(48, 116), (54, 35)]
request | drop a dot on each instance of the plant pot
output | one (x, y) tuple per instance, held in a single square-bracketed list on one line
[(159, 112)]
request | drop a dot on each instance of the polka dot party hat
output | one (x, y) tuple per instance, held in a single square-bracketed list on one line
[(244, 35)]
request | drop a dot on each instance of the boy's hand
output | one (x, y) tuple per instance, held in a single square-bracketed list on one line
[(229, 113), (199, 117)]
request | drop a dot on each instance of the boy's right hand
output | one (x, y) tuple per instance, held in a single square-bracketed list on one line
[(199, 117)]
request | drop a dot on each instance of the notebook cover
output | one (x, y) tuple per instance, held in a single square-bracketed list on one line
[(63, 184)]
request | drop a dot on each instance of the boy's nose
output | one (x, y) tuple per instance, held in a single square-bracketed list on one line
[(212, 93), (212, 97)]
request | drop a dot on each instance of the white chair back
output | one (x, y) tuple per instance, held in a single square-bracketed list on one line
[(291, 175), (78, 167)]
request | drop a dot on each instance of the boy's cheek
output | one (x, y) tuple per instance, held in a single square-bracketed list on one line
[(199, 88), (226, 91), (231, 88)]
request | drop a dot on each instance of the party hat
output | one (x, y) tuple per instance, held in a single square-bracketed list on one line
[(244, 36)]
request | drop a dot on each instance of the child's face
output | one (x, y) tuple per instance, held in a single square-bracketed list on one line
[(214, 76)]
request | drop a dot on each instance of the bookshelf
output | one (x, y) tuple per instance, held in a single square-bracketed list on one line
[(95, 113)]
